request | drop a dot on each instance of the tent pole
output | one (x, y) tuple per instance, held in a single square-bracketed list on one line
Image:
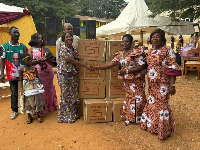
[(141, 37)]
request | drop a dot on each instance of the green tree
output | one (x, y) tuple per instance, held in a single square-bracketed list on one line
[(176, 8), (57, 9), (99, 8)]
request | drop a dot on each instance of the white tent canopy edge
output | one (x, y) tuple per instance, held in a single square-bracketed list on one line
[(136, 17)]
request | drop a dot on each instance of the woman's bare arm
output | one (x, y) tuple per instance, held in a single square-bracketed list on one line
[(107, 66), (71, 60)]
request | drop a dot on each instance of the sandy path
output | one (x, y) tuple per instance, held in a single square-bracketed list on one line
[(17, 135)]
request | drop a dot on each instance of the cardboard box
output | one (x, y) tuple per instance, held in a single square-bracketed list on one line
[(115, 89), (118, 99), (117, 109), (86, 74), (112, 48), (97, 111), (92, 89), (112, 74), (92, 49)]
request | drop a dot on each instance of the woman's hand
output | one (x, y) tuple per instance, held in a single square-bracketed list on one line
[(22, 92), (121, 72), (96, 67), (114, 55), (40, 86), (172, 90), (43, 58), (69, 59), (88, 67), (93, 68), (30, 51)]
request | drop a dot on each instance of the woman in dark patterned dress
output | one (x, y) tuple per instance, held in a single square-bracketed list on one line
[(162, 70), (132, 62), (67, 75)]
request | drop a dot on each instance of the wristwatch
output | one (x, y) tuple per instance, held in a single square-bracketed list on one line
[(173, 85)]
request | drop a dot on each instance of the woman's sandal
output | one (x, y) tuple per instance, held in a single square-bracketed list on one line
[(29, 121), (40, 120), (127, 123)]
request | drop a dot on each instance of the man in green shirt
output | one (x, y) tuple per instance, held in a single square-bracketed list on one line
[(11, 52)]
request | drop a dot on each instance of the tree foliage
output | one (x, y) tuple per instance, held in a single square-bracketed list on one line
[(59, 9), (40, 9), (176, 8), (100, 8)]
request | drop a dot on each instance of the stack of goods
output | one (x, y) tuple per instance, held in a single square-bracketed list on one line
[(99, 89), (114, 87), (97, 110), (118, 104), (92, 84)]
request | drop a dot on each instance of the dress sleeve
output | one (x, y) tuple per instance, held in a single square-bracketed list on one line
[(66, 67), (116, 58), (173, 69), (49, 56), (63, 53), (139, 56)]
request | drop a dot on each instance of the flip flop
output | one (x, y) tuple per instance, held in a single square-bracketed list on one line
[(127, 123), (29, 121), (40, 120)]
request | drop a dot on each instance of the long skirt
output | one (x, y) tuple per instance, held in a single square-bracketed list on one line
[(34, 104), (31, 104), (50, 97), (135, 100), (157, 116), (69, 98)]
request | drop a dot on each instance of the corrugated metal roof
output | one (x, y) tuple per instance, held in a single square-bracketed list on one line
[(84, 18)]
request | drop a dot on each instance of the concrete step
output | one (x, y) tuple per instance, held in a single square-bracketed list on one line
[(4, 85)]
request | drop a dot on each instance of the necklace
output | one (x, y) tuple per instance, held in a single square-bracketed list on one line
[(124, 55)]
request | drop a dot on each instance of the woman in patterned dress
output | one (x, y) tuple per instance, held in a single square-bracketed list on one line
[(67, 74), (132, 62), (43, 61), (162, 70)]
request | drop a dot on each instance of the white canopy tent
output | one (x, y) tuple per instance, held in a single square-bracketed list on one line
[(8, 8), (135, 19)]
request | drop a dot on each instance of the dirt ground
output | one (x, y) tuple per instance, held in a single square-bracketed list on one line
[(17, 135)]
